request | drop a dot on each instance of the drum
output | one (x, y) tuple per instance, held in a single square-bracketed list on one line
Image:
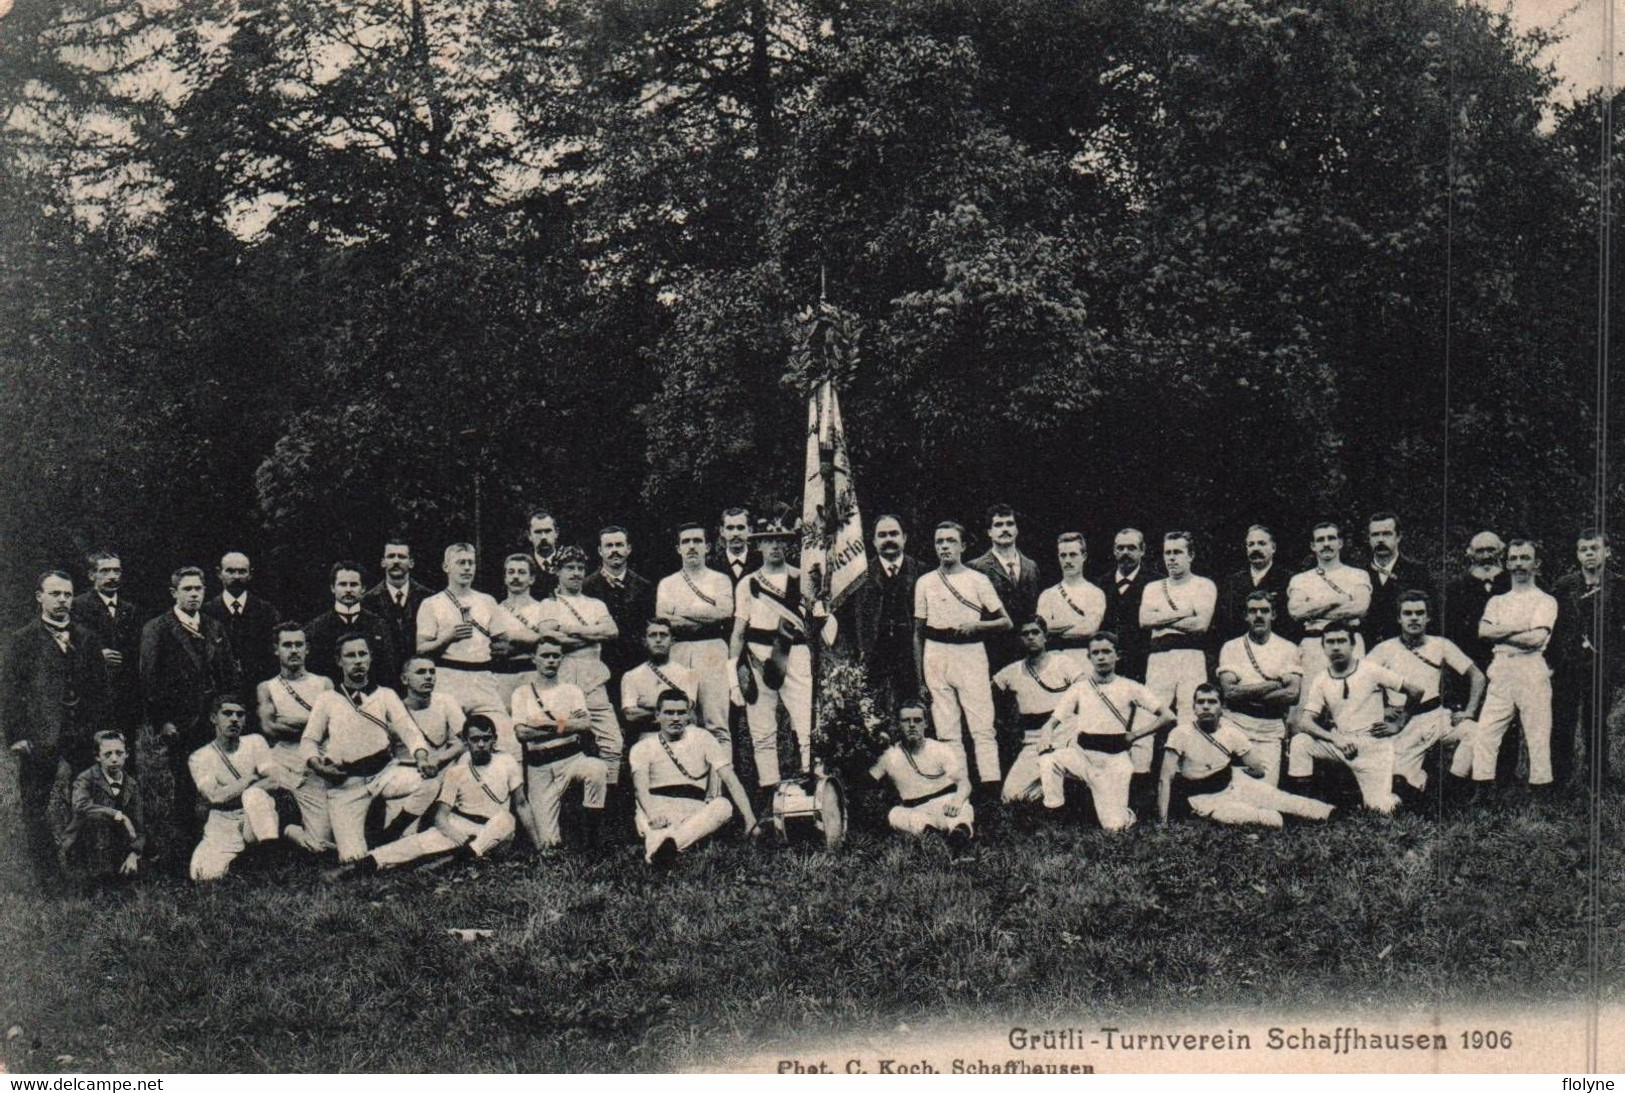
[(812, 806)]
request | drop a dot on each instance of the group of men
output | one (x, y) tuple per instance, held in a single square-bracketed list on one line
[(405, 721)]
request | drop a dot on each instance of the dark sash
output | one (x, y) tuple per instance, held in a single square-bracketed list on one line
[(910, 802), (1106, 744), (692, 793), (951, 637)]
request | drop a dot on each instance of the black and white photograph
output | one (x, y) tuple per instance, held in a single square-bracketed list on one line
[(810, 537)]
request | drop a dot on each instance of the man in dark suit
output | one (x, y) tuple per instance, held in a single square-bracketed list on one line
[(1588, 654), (1390, 575), (247, 620), (186, 659), (396, 599), (1015, 579), (347, 616), (733, 558), (542, 540), (630, 598), (1261, 575), (114, 622), (1464, 601), (881, 615), (1125, 587), (53, 687)]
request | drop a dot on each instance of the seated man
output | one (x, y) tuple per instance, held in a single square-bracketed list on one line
[(349, 742), (106, 833), (677, 775), (1037, 682), (643, 684), (1261, 674), (284, 703), (1201, 760), (440, 719), (931, 780), (551, 720), (478, 794), (1090, 733), (1349, 696), (233, 774)]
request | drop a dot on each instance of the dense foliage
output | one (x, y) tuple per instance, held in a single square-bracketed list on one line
[(290, 274)]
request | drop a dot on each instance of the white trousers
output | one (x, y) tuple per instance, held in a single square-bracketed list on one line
[(1421, 733), (1373, 766), (1021, 781), (1266, 735), (481, 692), (763, 715), (481, 838), (349, 802), (916, 820), (962, 694), (1249, 800), (314, 832), (547, 784), (1173, 676), (689, 821), (709, 661), (587, 672), (1107, 777), (228, 832), (1520, 686)]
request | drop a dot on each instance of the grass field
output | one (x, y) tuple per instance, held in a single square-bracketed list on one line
[(599, 965)]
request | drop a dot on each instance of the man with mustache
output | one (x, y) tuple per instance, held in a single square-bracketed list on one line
[(542, 536), (1261, 676), (1125, 587), (1591, 665), (1519, 622), (397, 597), (1261, 575), (284, 703), (1391, 574), (643, 685), (347, 616), (245, 617), (697, 602), (1014, 577), (628, 595), (468, 634), (882, 610), (1074, 609), (114, 620), (233, 773), (1330, 592)]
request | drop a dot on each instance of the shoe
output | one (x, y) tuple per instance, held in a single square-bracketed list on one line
[(665, 855), (959, 839)]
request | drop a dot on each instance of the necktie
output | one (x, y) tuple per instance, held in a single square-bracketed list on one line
[(400, 601), (1122, 586), (1014, 571), (237, 609), (60, 633)]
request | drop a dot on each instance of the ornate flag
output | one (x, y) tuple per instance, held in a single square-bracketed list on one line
[(833, 559)]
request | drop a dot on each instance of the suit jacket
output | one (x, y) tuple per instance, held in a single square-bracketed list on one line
[(882, 610), (1123, 618), (94, 800), (1577, 625), (1230, 620), (1020, 600), (121, 631), (1382, 621), (631, 606), (52, 699), (324, 631), (181, 674), (403, 624), (249, 635)]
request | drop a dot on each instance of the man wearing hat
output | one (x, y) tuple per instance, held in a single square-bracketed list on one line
[(581, 625), (770, 632)]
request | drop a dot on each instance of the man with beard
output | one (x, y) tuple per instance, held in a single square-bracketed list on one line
[(1261, 675), (1345, 719), (1091, 731), (113, 620), (185, 661), (883, 614), (1519, 622), (1125, 587), (1014, 577), (347, 616), (1075, 609), (542, 533), (284, 703), (955, 609), (630, 599), (478, 797), (930, 779), (397, 597), (1422, 659), (734, 559), (350, 743), (1261, 575), (1035, 684), (679, 777), (1591, 664), (1466, 596), (1390, 575), (1200, 761), (245, 618), (697, 603), (54, 688), (643, 685), (1330, 592)]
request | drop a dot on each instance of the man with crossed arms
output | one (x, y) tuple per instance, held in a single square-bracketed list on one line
[(1351, 695), (349, 743), (697, 602), (1176, 612), (1519, 622), (581, 625), (1261, 676), (552, 722), (1090, 733), (1036, 682), (465, 632), (284, 703), (1075, 608), (1422, 658), (1330, 592), (954, 608)]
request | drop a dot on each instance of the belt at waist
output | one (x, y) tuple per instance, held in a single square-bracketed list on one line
[(951, 637), (462, 665), (1032, 722), (687, 792), (1168, 643), (367, 765), (767, 637), (910, 802), (1255, 707), (711, 631), (540, 754), (1217, 782), (470, 817), (1105, 743)]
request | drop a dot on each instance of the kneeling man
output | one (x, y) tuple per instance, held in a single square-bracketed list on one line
[(233, 774), (561, 743), (1201, 760), (931, 779), (678, 774)]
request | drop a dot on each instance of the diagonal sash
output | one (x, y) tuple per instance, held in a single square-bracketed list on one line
[(661, 676), (226, 760), (293, 694), (1076, 610), (943, 773), (369, 715), (1247, 647), (1027, 666), (1167, 595), (694, 588), (954, 592), (678, 763), (1341, 591), (782, 601), (1126, 722), (468, 616), (475, 771)]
